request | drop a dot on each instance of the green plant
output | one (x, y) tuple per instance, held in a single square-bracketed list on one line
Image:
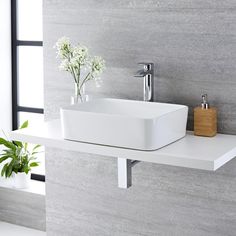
[(18, 156)]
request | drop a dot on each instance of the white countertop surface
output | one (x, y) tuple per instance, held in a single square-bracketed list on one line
[(191, 151)]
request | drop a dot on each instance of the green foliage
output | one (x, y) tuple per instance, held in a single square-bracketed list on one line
[(17, 156)]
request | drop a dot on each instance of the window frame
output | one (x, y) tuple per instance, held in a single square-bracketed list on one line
[(15, 43)]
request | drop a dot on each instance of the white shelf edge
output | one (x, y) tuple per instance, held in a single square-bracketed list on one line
[(36, 187), (191, 151)]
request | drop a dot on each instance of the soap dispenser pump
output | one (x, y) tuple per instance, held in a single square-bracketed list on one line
[(205, 119)]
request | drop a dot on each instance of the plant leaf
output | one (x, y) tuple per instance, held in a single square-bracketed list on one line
[(3, 158), (34, 164), (9, 169), (19, 144), (25, 124), (4, 169), (33, 153), (37, 146), (7, 143)]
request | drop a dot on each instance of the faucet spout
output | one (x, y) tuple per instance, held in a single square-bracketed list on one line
[(148, 88), (148, 81)]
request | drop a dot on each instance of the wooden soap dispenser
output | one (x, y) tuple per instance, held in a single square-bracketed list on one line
[(205, 119)]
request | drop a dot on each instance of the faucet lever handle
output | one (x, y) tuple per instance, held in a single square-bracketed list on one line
[(146, 65), (140, 73)]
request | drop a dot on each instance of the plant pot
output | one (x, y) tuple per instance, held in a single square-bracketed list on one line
[(7, 182), (22, 180)]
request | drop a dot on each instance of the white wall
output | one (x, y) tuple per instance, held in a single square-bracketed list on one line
[(5, 66)]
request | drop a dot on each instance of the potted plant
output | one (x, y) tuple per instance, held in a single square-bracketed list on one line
[(77, 61), (18, 159)]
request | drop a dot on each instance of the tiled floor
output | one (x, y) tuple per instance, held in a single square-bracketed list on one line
[(15, 230)]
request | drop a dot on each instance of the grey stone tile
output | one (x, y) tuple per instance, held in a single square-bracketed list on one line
[(23, 208)]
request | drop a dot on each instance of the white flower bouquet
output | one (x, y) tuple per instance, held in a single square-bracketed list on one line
[(77, 61)]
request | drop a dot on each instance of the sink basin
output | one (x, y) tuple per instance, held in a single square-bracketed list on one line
[(124, 123)]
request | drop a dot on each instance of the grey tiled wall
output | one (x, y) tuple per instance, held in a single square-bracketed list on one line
[(193, 45), (22, 208)]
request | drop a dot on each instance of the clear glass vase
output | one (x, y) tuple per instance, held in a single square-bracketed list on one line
[(79, 95)]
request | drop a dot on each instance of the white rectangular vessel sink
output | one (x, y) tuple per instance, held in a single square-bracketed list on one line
[(124, 123)]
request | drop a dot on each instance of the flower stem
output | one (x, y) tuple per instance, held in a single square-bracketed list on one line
[(85, 79), (78, 93)]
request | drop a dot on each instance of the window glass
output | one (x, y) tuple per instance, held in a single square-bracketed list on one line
[(29, 20), (30, 76), (29, 67), (34, 119)]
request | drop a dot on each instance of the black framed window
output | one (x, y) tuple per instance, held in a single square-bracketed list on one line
[(27, 67)]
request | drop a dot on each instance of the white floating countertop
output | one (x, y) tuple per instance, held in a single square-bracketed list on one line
[(191, 151)]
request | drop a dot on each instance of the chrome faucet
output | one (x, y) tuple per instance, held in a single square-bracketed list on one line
[(148, 80)]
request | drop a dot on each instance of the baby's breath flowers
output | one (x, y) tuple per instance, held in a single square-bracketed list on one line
[(74, 59)]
